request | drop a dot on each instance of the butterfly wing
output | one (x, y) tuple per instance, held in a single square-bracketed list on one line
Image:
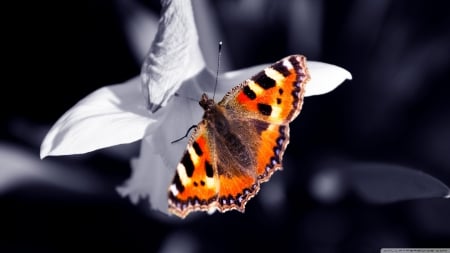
[(260, 110), (274, 95), (195, 185)]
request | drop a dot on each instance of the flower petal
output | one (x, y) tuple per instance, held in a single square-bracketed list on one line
[(230, 79), (21, 167), (324, 77), (109, 116), (149, 175), (174, 55), (385, 183), (154, 169)]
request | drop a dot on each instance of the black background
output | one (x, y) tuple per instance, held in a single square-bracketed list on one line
[(395, 110)]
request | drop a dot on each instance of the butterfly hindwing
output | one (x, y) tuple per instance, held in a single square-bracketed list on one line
[(250, 153), (274, 141)]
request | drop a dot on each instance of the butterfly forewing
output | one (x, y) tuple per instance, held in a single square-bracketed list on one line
[(274, 94)]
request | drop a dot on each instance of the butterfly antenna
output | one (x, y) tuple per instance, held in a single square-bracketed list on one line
[(218, 67)]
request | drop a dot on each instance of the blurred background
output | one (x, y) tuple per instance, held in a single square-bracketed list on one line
[(385, 133)]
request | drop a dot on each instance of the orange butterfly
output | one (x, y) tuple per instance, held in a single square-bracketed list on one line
[(240, 141)]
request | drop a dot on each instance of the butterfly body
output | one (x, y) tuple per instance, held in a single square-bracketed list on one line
[(240, 141)]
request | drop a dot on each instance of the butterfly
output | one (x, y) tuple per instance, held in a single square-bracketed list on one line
[(240, 141)]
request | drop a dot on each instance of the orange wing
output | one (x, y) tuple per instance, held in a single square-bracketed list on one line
[(195, 185), (274, 95), (237, 187), (267, 103)]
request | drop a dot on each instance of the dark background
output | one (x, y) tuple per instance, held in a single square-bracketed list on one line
[(396, 110)]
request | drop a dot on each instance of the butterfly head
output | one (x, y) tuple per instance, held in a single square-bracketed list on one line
[(206, 103)]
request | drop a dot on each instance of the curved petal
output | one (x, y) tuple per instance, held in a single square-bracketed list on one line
[(386, 183), (231, 79), (21, 167), (174, 55), (149, 175), (154, 169), (109, 116), (324, 78)]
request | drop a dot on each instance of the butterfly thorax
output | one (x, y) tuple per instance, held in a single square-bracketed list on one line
[(213, 115), (206, 103), (224, 132)]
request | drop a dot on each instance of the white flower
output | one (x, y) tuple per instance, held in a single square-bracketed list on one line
[(145, 107)]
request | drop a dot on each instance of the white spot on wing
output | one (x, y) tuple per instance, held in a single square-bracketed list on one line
[(255, 88), (288, 64), (182, 173), (276, 111), (272, 127), (275, 75), (211, 210), (194, 157), (210, 182), (174, 190)]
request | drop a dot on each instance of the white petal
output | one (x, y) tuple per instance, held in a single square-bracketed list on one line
[(155, 168), (233, 78), (20, 167), (150, 178), (324, 77), (109, 116), (174, 55), (387, 183)]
